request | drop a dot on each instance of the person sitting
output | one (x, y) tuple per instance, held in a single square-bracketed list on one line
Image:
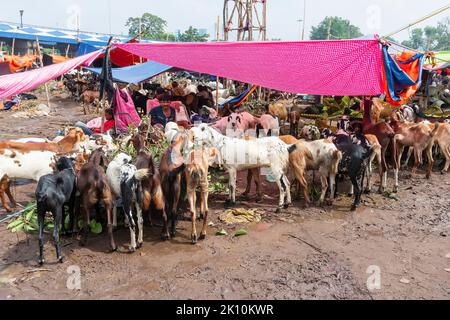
[(95, 125), (163, 114), (178, 92), (153, 103)]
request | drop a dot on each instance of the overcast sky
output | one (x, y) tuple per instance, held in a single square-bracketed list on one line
[(372, 16)]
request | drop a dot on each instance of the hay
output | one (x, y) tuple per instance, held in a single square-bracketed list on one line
[(234, 216)]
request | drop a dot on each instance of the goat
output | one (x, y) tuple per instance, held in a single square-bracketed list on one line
[(32, 160), (151, 189), (93, 186), (125, 182), (197, 177), (52, 193), (310, 133), (420, 136), (265, 152), (385, 135), (353, 163), (323, 157), (171, 167)]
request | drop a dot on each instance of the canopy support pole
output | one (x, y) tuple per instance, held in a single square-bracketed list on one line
[(42, 65)]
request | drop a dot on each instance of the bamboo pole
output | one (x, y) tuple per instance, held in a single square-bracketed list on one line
[(13, 45), (42, 65), (67, 50), (217, 78)]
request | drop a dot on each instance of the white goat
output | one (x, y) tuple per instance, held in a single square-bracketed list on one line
[(237, 155), (124, 180)]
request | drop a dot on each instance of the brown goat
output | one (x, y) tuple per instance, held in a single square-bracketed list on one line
[(171, 167), (197, 177), (151, 189), (420, 136), (94, 189)]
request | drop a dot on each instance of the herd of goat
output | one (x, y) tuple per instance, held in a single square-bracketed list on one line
[(91, 176)]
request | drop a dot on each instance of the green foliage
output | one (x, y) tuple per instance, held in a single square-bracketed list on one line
[(152, 27), (430, 38), (219, 186), (335, 28), (193, 35)]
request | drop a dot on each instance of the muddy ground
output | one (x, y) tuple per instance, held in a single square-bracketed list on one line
[(302, 253)]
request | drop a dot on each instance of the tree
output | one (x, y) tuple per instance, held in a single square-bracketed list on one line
[(193, 35), (430, 38), (152, 27), (335, 28)]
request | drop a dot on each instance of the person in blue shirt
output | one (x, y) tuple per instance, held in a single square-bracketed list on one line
[(163, 114)]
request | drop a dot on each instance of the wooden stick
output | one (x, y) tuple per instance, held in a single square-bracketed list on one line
[(42, 65), (13, 45), (217, 78)]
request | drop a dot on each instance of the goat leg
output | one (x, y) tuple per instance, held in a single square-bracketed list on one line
[(58, 220), (192, 208), (110, 225), (41, 217)]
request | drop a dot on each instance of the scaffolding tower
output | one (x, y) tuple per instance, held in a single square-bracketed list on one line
[(247, 19)]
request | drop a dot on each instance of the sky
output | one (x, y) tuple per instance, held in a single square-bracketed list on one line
[(104, 16)]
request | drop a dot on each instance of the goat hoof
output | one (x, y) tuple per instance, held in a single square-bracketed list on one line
[(173, 234), (395, 190), (139, 245), (202, 237), (244, 196), (278, 210), (350, 195), (354, 208), (367, 191), (329, 203), (194, 239), (230, 204), (41, 262), (61, 259), (165, 237), (258, 199), (286, 205)]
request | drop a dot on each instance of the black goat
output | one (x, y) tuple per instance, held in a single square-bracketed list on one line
[(52, 193), (356, 153)]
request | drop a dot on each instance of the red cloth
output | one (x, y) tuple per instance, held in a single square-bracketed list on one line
[(109, 124)]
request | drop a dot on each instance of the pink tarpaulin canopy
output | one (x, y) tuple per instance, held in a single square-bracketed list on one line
[(22, 82), (337, 67)]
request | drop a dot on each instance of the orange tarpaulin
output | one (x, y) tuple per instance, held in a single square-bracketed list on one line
[(17, 63), (412, 67), (58, 59)]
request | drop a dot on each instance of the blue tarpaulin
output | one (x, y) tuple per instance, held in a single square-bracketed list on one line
[(138, 73), (85, 48)]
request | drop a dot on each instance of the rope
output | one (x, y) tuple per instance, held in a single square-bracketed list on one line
[(420, 20), (14, 215)]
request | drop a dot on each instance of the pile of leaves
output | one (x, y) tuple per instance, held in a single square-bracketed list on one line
[(28, 222)]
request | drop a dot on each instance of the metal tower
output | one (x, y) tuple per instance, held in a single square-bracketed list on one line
[(245, 18)]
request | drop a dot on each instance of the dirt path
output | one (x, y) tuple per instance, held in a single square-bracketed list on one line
[(313, 253)]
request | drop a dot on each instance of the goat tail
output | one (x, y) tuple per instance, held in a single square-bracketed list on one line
[(41, 196), (141, 174), (292, 148), (337, 155), (433, 133)]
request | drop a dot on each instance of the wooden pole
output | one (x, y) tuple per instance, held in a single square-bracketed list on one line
[(42, 65), (13, 45), (67, 50), (217, 78)]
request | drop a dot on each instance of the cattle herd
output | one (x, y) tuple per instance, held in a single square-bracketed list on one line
[(94, 176)]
